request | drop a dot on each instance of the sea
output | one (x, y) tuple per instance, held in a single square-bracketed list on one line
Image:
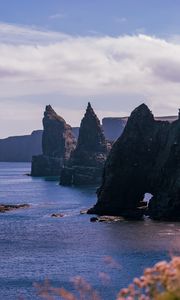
[(35, 247)]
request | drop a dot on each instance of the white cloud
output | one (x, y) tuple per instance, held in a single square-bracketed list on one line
[(120, 19), (23, 35), (57, 16), (35, 62)]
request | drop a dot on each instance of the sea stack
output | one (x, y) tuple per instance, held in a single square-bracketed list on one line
[(87, 161), (58, 142), (145, 159)]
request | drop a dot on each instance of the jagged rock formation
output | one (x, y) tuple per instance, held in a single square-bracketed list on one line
[(86, 162), (145, 159), (58, 142), (113, 127), (21, 148)]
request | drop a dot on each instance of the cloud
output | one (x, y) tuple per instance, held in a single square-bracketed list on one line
[(120, 19), (57, 16), (39, 62), (24, 35)]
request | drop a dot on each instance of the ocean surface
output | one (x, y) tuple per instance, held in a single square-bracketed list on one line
[(34, 246)]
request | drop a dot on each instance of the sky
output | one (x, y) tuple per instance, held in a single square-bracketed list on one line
[(116, 54)]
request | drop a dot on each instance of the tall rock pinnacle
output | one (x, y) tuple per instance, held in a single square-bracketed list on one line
[(86, 162), (91, 140), (58, 142)]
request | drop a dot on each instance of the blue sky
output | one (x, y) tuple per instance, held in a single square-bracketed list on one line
[(115, 17), (117, 54)]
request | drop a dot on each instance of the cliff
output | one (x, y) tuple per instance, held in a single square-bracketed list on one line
[(58, 142), (113, 127), (21, 148), (145, 159), (87, 160)]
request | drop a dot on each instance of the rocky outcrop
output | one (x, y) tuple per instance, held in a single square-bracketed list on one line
[(43, 165), (87, 161), (145, 159), (58, 142), (8, 207), (22, 148), (113, 127)]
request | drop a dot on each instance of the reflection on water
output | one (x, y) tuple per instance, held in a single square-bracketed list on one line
[(34, 246)]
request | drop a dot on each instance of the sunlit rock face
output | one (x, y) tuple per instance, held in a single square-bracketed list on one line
[(145, 159), (87, 161), (58, 142)]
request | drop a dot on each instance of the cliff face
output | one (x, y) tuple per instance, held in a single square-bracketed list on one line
[(145, 159), (58, 142), (21, 148), (86, 162), (58, 139)]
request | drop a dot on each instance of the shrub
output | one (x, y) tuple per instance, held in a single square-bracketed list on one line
[(161, 282)]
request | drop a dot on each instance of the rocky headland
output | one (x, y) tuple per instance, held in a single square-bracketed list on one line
[(86, 162), (21, 148), (58, 142), (145, 159)]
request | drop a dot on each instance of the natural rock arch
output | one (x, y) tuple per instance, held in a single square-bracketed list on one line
[(145, 159)]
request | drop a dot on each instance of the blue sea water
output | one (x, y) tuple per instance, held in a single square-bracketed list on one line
[(34, 246)]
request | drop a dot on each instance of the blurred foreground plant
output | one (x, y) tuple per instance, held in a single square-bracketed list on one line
[(161, 282)]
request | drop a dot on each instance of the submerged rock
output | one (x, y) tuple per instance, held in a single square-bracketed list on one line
[(58, 142), (107, 219), (8, 207), (57, 215), (145, 159), (87, 161)]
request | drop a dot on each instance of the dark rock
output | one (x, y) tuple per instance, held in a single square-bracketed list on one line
[(22, 148), (91, 141), (87, 161), (107, 219), (57, 215), (58, 142), (145, 159), (43, 165), (8, 207)]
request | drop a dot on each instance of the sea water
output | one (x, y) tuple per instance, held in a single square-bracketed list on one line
[(34, 246)]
